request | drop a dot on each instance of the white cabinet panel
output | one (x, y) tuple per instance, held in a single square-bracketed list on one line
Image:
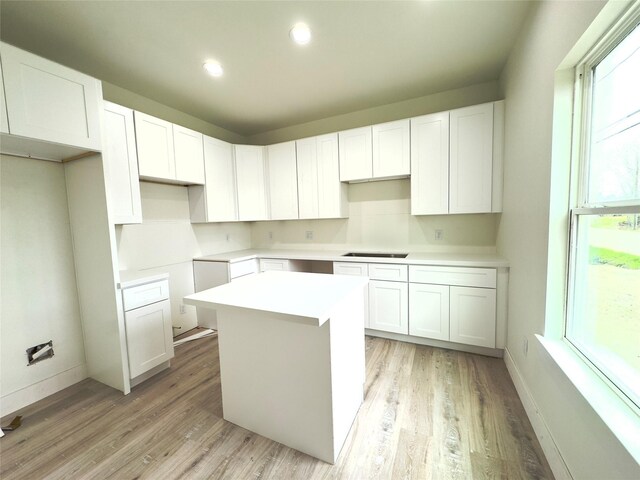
[(332, 195), (154, 139), (189, 155), (389, 306), (283, 182), (320, 193), (360, 269), (471, 157), (50, 102), (307, 167), (216, 201), (121, 164), (4, 121), (240, 269), (391, 149), (250, 178), (387, 271), (430, 164), (149, 337), (145, 294), (462, 276), (473, 316), (356, 154), (280, 264), (429, 311)]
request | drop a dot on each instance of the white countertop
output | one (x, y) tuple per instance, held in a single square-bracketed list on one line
[(308, 298), (133, 278), (440, 259)]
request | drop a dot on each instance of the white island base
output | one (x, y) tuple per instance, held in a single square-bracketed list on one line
[(291, 356)]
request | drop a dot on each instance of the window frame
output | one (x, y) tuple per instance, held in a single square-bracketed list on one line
[(579, 206)]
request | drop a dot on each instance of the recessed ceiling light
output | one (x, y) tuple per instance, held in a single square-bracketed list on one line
[(300, 33), (213, 68)]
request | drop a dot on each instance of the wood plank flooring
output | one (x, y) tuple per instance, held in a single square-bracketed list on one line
[(428, 413)]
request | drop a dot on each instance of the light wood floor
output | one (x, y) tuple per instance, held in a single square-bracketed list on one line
[(428, 413)]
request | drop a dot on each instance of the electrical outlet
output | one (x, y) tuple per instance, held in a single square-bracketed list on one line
[(183, 309), (309, 235), (439, 234)]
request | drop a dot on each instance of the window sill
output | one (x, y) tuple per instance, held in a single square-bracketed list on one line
[(621, 418)]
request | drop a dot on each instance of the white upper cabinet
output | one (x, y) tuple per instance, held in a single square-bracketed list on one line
[(4, 121), (456, 161), (282, 180), (216, 201), (121, 164), (250, 178), (189, 155), (391, 149), (50, 102), (320, 193), (156, 159), (168, 152), (356, 154), (471, 159), (307, 166), (430, 164)]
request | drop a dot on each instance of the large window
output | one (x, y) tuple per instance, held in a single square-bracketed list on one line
[(603, 305)]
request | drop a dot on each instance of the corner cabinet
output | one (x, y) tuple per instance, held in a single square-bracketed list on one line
[(121, 165), (282, 181), (251, 184), (320, 193), (216, 200), (456, 161), (48, 102)]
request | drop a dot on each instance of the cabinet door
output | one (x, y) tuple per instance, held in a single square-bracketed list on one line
[(50, 102), (219, 195), (4, 121), (307, 167), (356, 157), (473, 316), (471, 158), (154, 140), (121, 164), (389, 306), (283, 181), (332, 195), (391, 156), (149, 337), (429, 311), (252, 199), (189, 155), (430, 164)]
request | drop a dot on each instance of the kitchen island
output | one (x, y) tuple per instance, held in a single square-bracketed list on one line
[(291, 356)]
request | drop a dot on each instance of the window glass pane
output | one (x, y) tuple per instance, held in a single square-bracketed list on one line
[(614, 151), (605, 322)]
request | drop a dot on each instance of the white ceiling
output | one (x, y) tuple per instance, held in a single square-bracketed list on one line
[(362, 54)]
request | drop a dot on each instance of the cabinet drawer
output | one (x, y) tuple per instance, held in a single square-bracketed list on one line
[(146, 294), (463, 276), (351, 268), (267, 264), (389, 272), (239, 269)]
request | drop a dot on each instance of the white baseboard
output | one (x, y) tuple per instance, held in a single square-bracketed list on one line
[(13, 401), (549, 447)]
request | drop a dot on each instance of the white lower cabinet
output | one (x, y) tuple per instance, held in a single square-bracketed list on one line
[(279, 264), (429, 311), (473, 316), (149, 337), (389, 306), (147, 319), (352, 268)]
